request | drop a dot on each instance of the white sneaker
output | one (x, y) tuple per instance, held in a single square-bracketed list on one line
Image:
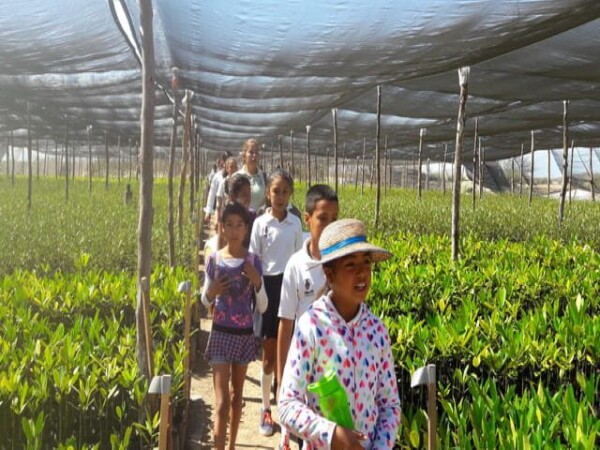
[(266, 422)]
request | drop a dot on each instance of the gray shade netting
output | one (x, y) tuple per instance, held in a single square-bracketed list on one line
[(269, 68)]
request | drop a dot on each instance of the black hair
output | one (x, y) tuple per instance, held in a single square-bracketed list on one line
[(237, 209), (317, 193), (235, 183), (281, 173)]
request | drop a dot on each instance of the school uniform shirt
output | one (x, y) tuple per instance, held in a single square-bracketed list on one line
[(360, 352), (300, 285), (274, 241), (212, 192)]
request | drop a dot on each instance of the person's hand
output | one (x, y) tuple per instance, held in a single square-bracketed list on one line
[(218, 286), (250, 272), (345, 439), (207, 218)]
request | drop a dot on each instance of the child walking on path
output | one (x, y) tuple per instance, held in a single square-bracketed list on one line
[(339, 332), (276, 236), (301, 283), (233, 279)]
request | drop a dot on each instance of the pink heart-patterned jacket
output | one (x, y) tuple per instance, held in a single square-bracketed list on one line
[(360, 352)]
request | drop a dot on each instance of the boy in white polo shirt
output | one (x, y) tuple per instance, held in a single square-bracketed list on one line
[(302, 285)]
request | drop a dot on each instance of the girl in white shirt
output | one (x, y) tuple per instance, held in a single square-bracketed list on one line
[(275, 237)]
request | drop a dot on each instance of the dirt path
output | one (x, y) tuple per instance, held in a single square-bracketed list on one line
[(202, 405)]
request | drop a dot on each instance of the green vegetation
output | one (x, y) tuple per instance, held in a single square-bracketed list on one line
[(513, 327)]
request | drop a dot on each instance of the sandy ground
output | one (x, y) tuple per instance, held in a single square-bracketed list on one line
[(202, 405)]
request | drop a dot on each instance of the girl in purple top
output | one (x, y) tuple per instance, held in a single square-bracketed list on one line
[(233, 279)]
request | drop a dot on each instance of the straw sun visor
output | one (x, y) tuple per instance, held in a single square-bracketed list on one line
[(344, 237)]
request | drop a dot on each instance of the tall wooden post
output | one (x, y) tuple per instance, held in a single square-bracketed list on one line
[(377, 158), (385, 165), (444, 169), (343, 179), (12, 152), (170, 206), (308, 154), (130, 158), (185, 157), (521, 170), (66, 158), (563, 190), (481, 167), (293, 168), (37, 158), (107, 158), (29, 157), (571, 171), (280, 142), (422, 133), (356, 175), (475, 166), (463, 79), (532, 167), (548, 174), (144, 261), (89, 130), (592, 187), (335, 149), (192, 165), (512, 176), (362, 187), (119, 159)]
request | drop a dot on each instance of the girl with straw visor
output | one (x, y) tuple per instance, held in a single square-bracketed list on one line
[(339, 332)]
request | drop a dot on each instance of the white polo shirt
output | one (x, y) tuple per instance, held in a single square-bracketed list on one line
[(300, 284), (275, 242)]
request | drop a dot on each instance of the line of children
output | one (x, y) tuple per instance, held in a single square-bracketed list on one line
[(233, 284), (339, 332), (301, 284), (276, 235)]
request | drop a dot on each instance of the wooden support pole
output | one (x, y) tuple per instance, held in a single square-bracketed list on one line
[(170, 205), (563, 191), (356, 176), (481, 168), (191, 146), (422, 133), (548, 174), (385, 164), (327, 166), (119, 159), (280, 143), (343, 180), (185, 157), (592, 187), (532, 167), (107, 159), (362, 187), (293, 167), (89, 130), (475, 166), (45, 158), (463, 79), (144, 260), (335, 150), (130, 158), (444, 168), (37, 158), (512, 176), (66, 158), (521, 169), (29, 158), (308, 155), (377, 158), (571, 171)]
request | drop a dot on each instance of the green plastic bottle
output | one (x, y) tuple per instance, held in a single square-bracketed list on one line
[(333, 400)]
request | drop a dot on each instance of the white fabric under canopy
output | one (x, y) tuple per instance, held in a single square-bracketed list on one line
[(266, 68)]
